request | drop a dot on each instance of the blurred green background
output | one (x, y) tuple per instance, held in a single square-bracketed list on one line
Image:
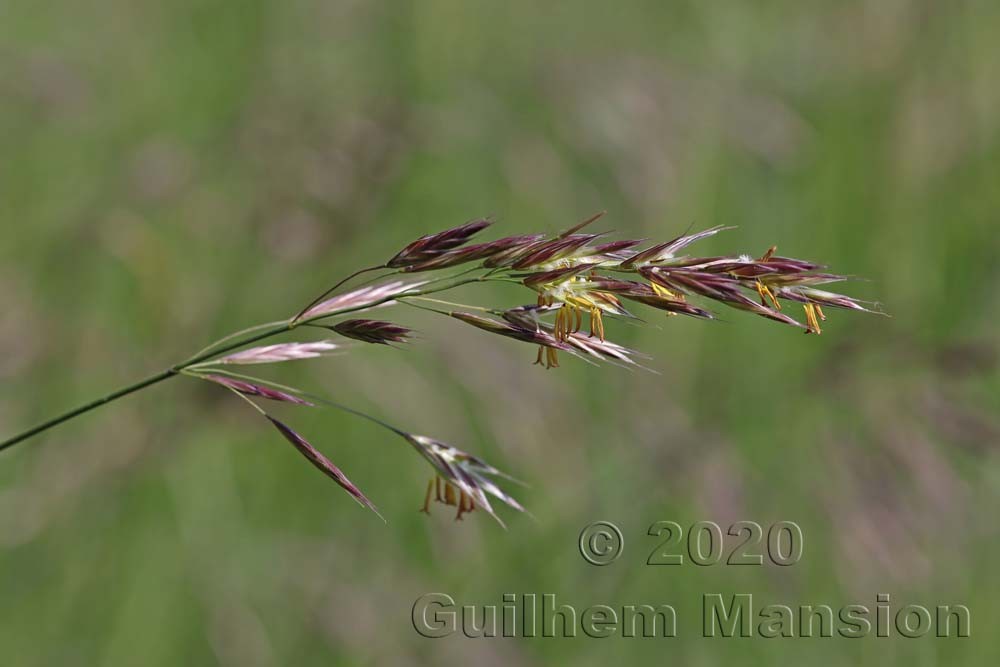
[(174, 171)]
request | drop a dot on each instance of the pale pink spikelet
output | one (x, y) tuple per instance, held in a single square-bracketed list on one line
[(320, 461), (604, 350), (363, 297), (281, 352)]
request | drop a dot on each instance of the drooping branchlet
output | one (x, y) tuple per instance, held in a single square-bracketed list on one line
[(324, 464), (255, 389)]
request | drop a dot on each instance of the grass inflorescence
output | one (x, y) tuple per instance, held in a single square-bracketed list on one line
[(579, 281)]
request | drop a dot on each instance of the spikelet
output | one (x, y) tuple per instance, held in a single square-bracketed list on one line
[(320, 461), (372, 331), (268, 354)]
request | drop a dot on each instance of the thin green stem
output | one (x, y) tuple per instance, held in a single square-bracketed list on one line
[(304, 394), (87, 407), (442, 301), (252, 404), (427, 308), (204, 375), (210, 353), (256, 327)]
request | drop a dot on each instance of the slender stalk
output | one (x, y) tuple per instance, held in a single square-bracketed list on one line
[(446, 303), (334, 288), (87, 407), (229, 337), (211, 353)]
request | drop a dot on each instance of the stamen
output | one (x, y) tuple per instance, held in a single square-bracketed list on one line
[(538, 359), (765, 294), (426, 509), (596, 323), (449, 494), (767, 255), (812, 323), (663, 291), (465, 505)]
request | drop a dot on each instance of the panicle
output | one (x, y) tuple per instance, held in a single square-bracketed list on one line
[(575, 276)]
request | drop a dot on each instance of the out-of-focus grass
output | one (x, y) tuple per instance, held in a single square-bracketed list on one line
[(173, 171)]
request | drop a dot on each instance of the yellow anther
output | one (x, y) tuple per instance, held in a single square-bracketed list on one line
[(596, 323), (765, 294), (426, 509), (663, 291), (812, 323), (465, 505)]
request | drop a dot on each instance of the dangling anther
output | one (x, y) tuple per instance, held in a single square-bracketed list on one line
[(765, 294), (426, 509), (596, 323), (465, 505), (812, 322), (551, 358)]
